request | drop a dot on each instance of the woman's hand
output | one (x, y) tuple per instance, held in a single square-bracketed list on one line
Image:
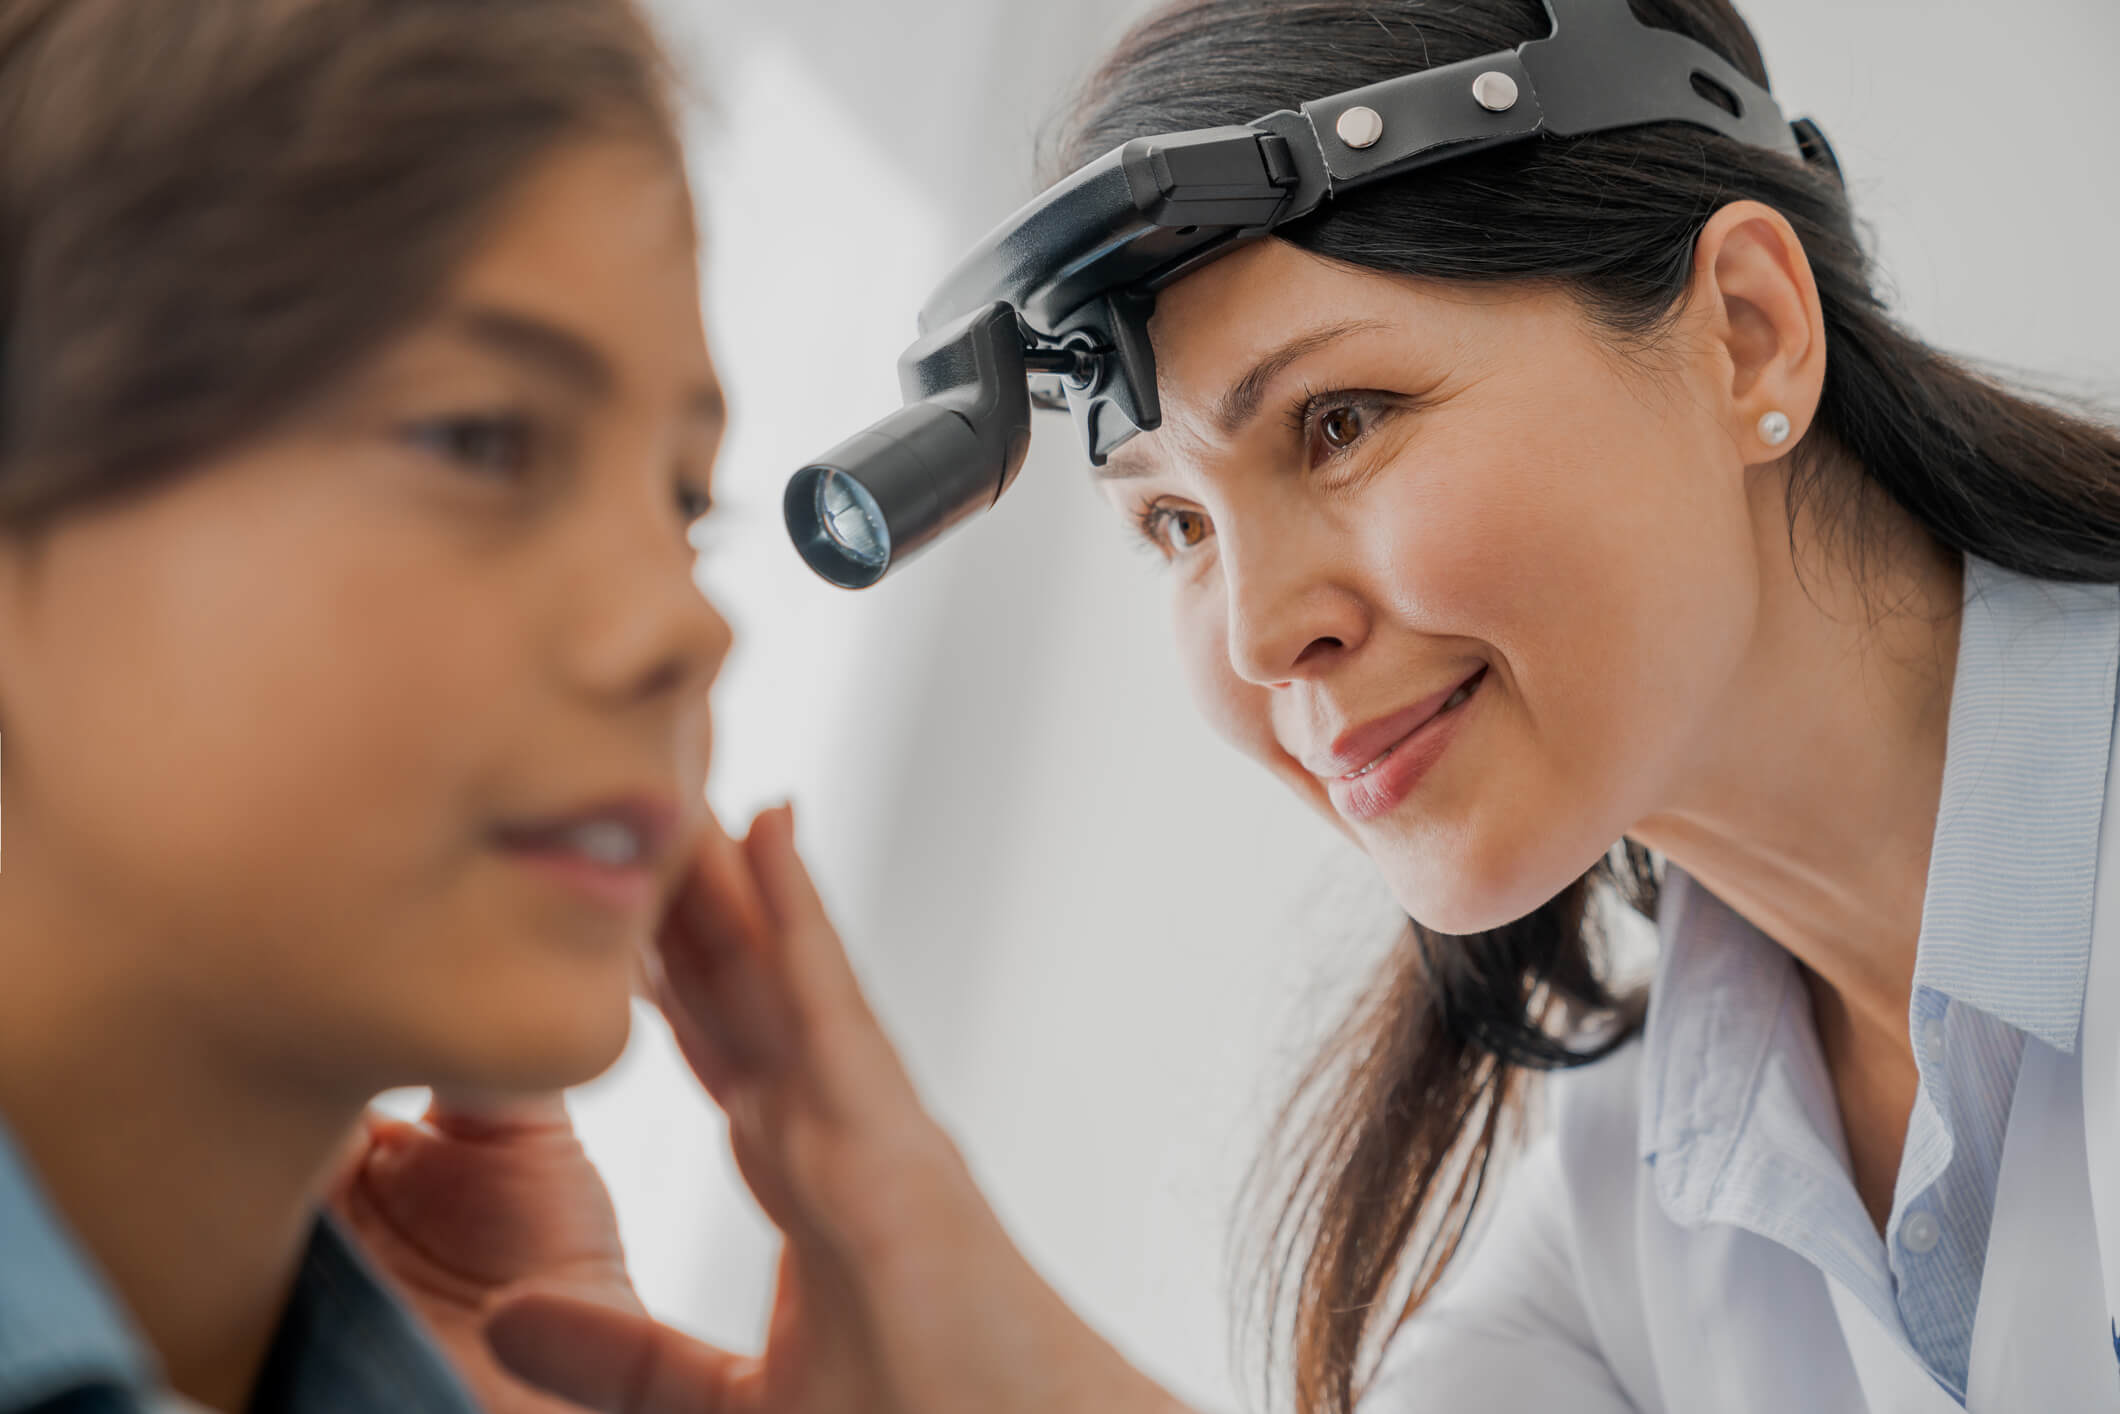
[(899, 1292), (482, 1200)]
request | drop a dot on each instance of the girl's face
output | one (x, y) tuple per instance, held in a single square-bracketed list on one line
[(270, 727), (1464, 580)]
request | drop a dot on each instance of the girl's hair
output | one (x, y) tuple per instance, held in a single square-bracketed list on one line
[(210, 209), (1388, 1137)]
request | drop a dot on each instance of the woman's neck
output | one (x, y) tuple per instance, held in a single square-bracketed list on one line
[(1810, 805), (186, 1172)]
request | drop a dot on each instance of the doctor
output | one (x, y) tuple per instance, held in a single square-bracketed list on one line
[(1571, 515)]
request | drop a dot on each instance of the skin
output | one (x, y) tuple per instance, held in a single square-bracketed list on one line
[(260, 721), (1669, 658)]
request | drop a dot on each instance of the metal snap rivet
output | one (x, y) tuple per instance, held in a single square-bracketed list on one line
[(1360, 127), (1495, 91)]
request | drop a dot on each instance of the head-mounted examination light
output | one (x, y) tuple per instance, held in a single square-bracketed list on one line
[(1066, 285)]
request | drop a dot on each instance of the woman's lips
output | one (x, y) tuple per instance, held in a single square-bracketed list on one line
[(1382, 781)]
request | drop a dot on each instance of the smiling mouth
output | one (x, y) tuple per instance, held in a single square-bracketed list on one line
[(1451, 704)]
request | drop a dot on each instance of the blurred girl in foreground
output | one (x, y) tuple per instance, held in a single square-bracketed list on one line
[(353, 678)]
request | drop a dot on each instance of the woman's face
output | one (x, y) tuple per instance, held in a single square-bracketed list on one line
[(271, 729), (1444, 562)]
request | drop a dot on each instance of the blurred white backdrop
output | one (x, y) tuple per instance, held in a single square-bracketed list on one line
[(1104, 941)]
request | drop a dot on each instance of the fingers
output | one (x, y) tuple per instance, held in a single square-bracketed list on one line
[(478, 1115), (819, 973), (613, 1361), (486, 1193), (716, 1066), (720, 904), (758, 987), (646, 970), (374, 1129), (730, 1009), (809, 942)]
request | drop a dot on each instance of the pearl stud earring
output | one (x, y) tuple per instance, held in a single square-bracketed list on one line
[(1774, 428)]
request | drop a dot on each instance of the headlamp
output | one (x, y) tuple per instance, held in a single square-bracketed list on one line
[(1067, 284)]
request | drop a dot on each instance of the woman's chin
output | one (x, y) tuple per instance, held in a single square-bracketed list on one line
[(1461, 896)]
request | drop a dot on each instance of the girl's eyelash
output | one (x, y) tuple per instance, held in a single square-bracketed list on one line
[(461, 437), (468, 439)]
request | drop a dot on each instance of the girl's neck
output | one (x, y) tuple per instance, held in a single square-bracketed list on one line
[(186, 1171)]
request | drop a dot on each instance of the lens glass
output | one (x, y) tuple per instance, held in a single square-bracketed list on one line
[(853, 520)]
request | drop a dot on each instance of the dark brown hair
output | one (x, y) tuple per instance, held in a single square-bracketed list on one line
[(1386, 1144), (210, 209)]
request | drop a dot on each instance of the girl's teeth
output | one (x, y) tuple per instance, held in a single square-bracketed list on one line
[(605, 841), (1457, 698)]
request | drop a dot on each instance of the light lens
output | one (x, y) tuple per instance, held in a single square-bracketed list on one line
[(852, 519)]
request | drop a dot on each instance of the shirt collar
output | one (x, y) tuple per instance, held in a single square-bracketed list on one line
[(344, 1344), (2005, 921), (60, 1326), (2006, 917), (347, 1346)]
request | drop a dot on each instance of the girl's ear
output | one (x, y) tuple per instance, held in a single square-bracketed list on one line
[(1753, 288)]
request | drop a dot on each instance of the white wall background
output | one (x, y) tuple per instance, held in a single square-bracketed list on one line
[(1102, 939)]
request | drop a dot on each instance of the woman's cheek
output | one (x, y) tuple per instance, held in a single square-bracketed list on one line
[(1240, 712)]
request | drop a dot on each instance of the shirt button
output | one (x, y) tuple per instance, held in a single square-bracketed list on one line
[(1932, 1035), (1921, 1234)]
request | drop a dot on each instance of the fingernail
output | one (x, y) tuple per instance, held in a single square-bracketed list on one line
[(387, 1152)]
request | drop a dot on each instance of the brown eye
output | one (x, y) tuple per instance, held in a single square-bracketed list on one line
[(500, 444), (1340, 427), (1172, 531), (1187, 529)]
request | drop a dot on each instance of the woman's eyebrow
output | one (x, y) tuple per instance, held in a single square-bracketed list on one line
[(1120, 466), (1240, 404)]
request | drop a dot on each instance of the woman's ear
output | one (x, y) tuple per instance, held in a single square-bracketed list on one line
[(1754, 291)]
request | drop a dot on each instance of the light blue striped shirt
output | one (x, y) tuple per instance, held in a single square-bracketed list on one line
[(2003, 955)]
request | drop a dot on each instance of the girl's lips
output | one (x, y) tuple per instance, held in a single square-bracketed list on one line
[(631, 889), (1389, 778)]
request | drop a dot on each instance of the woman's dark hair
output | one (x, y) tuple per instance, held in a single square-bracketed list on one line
[(1388, 1137), (210, 209)]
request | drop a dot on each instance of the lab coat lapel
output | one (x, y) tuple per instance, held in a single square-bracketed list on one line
[(2098, 1047), (2048, 1328), (2041, 1326), (1893, 1381)]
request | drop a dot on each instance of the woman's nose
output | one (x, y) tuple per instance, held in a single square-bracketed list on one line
[(1291, 616)]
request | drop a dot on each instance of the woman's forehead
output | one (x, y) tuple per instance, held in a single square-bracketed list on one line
[(1232, 337)]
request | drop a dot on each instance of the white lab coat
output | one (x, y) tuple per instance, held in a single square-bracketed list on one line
[(1582, 1297)]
